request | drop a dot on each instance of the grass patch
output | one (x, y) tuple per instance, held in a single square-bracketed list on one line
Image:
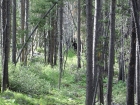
[(37, 84)]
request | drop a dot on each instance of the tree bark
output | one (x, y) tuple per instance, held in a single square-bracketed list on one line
[(14, 50), (131, 71), (60, 42), (45, 45), (22, 28), (55, 44), (52, 40), (96, 45), (6, 39), (27, 28), (78, 36), (111, 53), (137, 75), (89, 75), (136, 8)]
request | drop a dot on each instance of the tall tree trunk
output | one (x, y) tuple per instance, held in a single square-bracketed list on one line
[(106, 30), (22, 26), (111, 53), (136, 10), (45, 45), (137, 74), (138, 66), (6, 39), (27, 29), (49, 45), (96, 45), (60, 42), (55, 44), (78, 36), (131, 70), (89, 76), (121, 58), (52, 39), (14, 50)]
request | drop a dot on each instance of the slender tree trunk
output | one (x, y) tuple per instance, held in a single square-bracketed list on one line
[(101, 94), (22, 27), (6, 39), (137, 74), (78, 36), (45, 45), (111, 53), (131, 71), (60, 42), (101, 58), (52, 39), (96, 45), (56, 44), (14, 33), (121, 58), (106, 30), (138, 64), (89, 76), (27, 29), (136, 10), (49, 45)]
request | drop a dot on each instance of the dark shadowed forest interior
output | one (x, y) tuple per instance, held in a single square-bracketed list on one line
[(70, 52)]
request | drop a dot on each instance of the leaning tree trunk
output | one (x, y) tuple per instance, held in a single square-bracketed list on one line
[(5, 45), (111, 53)]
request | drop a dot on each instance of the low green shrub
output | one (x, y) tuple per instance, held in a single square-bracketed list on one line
[(119, 93), (25, 81)]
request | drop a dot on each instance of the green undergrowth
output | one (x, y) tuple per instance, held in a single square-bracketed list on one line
[(119, 92), (37, 84)]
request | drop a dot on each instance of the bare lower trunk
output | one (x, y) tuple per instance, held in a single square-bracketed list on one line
[(60, 43), (111, 53), (5, 45), (131, 71), (89, 76)]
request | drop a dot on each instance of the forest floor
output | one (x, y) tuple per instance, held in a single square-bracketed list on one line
[(37, 84)]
